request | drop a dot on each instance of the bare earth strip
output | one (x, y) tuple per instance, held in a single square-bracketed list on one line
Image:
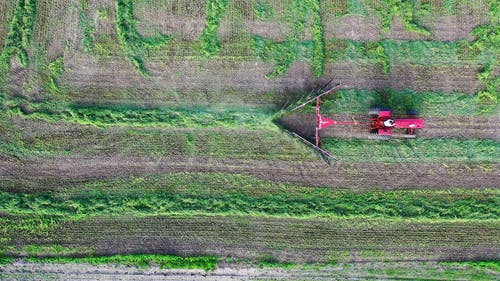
[(459, 127)]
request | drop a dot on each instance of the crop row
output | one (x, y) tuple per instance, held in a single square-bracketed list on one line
[(321, 239), (242, 143), (219, 193)]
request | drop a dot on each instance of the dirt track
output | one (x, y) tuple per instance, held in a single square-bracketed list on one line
[(359, 271)]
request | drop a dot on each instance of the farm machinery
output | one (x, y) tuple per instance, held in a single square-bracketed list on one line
[(380, 123)]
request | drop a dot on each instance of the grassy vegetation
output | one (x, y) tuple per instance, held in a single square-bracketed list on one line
[(33, 251), (86, 27), (216, 193), (138, 260), (356, 7), (57, 254), (487, 44), (414, 150), (283, 54), (270, 144), (425, 103), (209, 43), (489, 265), (134, 45), (18, 38), (192, 117), (263, 10), (409, 12), (52, 72)]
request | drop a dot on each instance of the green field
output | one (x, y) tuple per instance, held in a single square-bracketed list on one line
[(149, 134)]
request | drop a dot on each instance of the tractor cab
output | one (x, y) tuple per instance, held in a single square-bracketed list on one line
[(388, 123)]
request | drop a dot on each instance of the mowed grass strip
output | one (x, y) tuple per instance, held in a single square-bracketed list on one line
[(46, 139), (414, 150), (185, 117), (57, 254), (219, 193)]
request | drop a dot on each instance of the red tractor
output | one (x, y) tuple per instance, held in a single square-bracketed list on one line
[(381, 123)]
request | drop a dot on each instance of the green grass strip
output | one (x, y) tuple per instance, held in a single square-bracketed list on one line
[(194, 117), (134, 45), (216, 193), (414, 150), (86, 27), (139, 260), (283, 54), (487, 44), (488, 265), (18, 38), (209, 43), (409, 12)]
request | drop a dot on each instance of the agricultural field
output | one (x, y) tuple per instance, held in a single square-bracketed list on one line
[(150, 139)]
